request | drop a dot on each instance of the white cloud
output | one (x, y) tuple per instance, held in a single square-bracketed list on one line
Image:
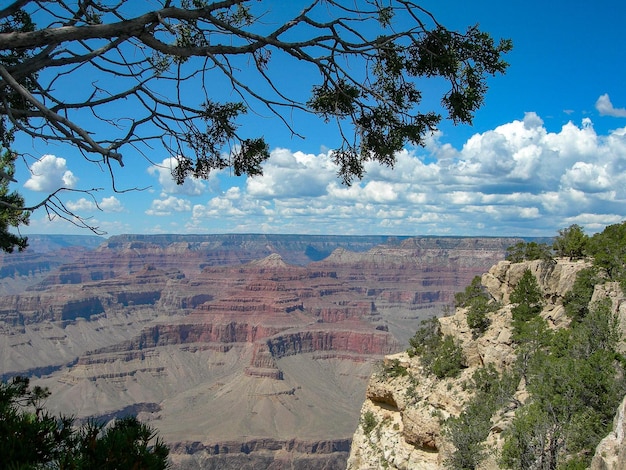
[(163, 207), (287, 174), (163, 171), (518, 178), (111, 204), (605, 107), (587, 177), (107, 204), (82, 205), (49, 174)]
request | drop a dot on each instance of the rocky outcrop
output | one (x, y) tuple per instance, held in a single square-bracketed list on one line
[(315, 340), (401, 418)]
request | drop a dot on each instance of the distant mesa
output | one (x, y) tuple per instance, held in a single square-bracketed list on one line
[(272, 261)]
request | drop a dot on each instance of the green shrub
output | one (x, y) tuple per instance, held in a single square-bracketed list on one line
[(571, 242), (440, 355), (468, 431), (575, 386), (30, 437), (576, 301), (477, 320), (608, 250), (528, 299), (474, 290), (368, 422), (478, 303), (448, 358), (392, 369), (426, 338), (530, 251)]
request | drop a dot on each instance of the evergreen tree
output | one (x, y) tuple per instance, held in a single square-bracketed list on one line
[(528, 299), (608, 250), (10, 203), (571, 242), (32, 438)]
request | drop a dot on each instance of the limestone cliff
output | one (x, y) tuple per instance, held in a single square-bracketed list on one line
[(401, 418)]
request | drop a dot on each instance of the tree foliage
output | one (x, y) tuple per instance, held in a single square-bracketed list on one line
[(528, 251), (571, 242), (30, 437), (575, 385), (575, 376), (608, 249), (478, 303), (366, 60), (528, 298), (10, 202), (468, 431), (576, 301), (441, 355)]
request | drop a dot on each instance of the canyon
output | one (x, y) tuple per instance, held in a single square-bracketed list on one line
[(240, 350)]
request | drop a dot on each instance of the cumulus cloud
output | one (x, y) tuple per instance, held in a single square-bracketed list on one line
[(232, 205), (519, 178), (111, 204), (169, 205), (82, 205), (49, 174), (163, 172), (293, 174), (107, 204), (605, 107)]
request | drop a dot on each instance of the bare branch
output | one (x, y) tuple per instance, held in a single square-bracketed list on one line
[(365, 60), (61, 123)]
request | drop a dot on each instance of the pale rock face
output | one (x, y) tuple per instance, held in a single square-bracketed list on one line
[(407, 414), (554, 278), (611, 452), (409, 411)]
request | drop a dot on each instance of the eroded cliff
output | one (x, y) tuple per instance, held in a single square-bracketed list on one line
[(402, 419)]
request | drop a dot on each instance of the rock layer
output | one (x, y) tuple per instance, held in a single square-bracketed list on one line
[(266, 358)]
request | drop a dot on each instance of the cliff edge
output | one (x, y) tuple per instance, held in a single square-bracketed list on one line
[(402, 423)]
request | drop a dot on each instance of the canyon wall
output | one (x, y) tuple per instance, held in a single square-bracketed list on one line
[(401, 424), (239, 349)]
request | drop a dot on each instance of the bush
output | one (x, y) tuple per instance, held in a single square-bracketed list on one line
[(440, 355), (478, 304), (468, 431), (575, 386), (426, 338), (368, 422), (571, 242), (471, 292), (477, 319), (530, 251), (448, 358), (576, 301), (392, 369), (528, 297), (608, 249)]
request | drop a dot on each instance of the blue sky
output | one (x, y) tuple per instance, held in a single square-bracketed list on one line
[(547, 150)]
